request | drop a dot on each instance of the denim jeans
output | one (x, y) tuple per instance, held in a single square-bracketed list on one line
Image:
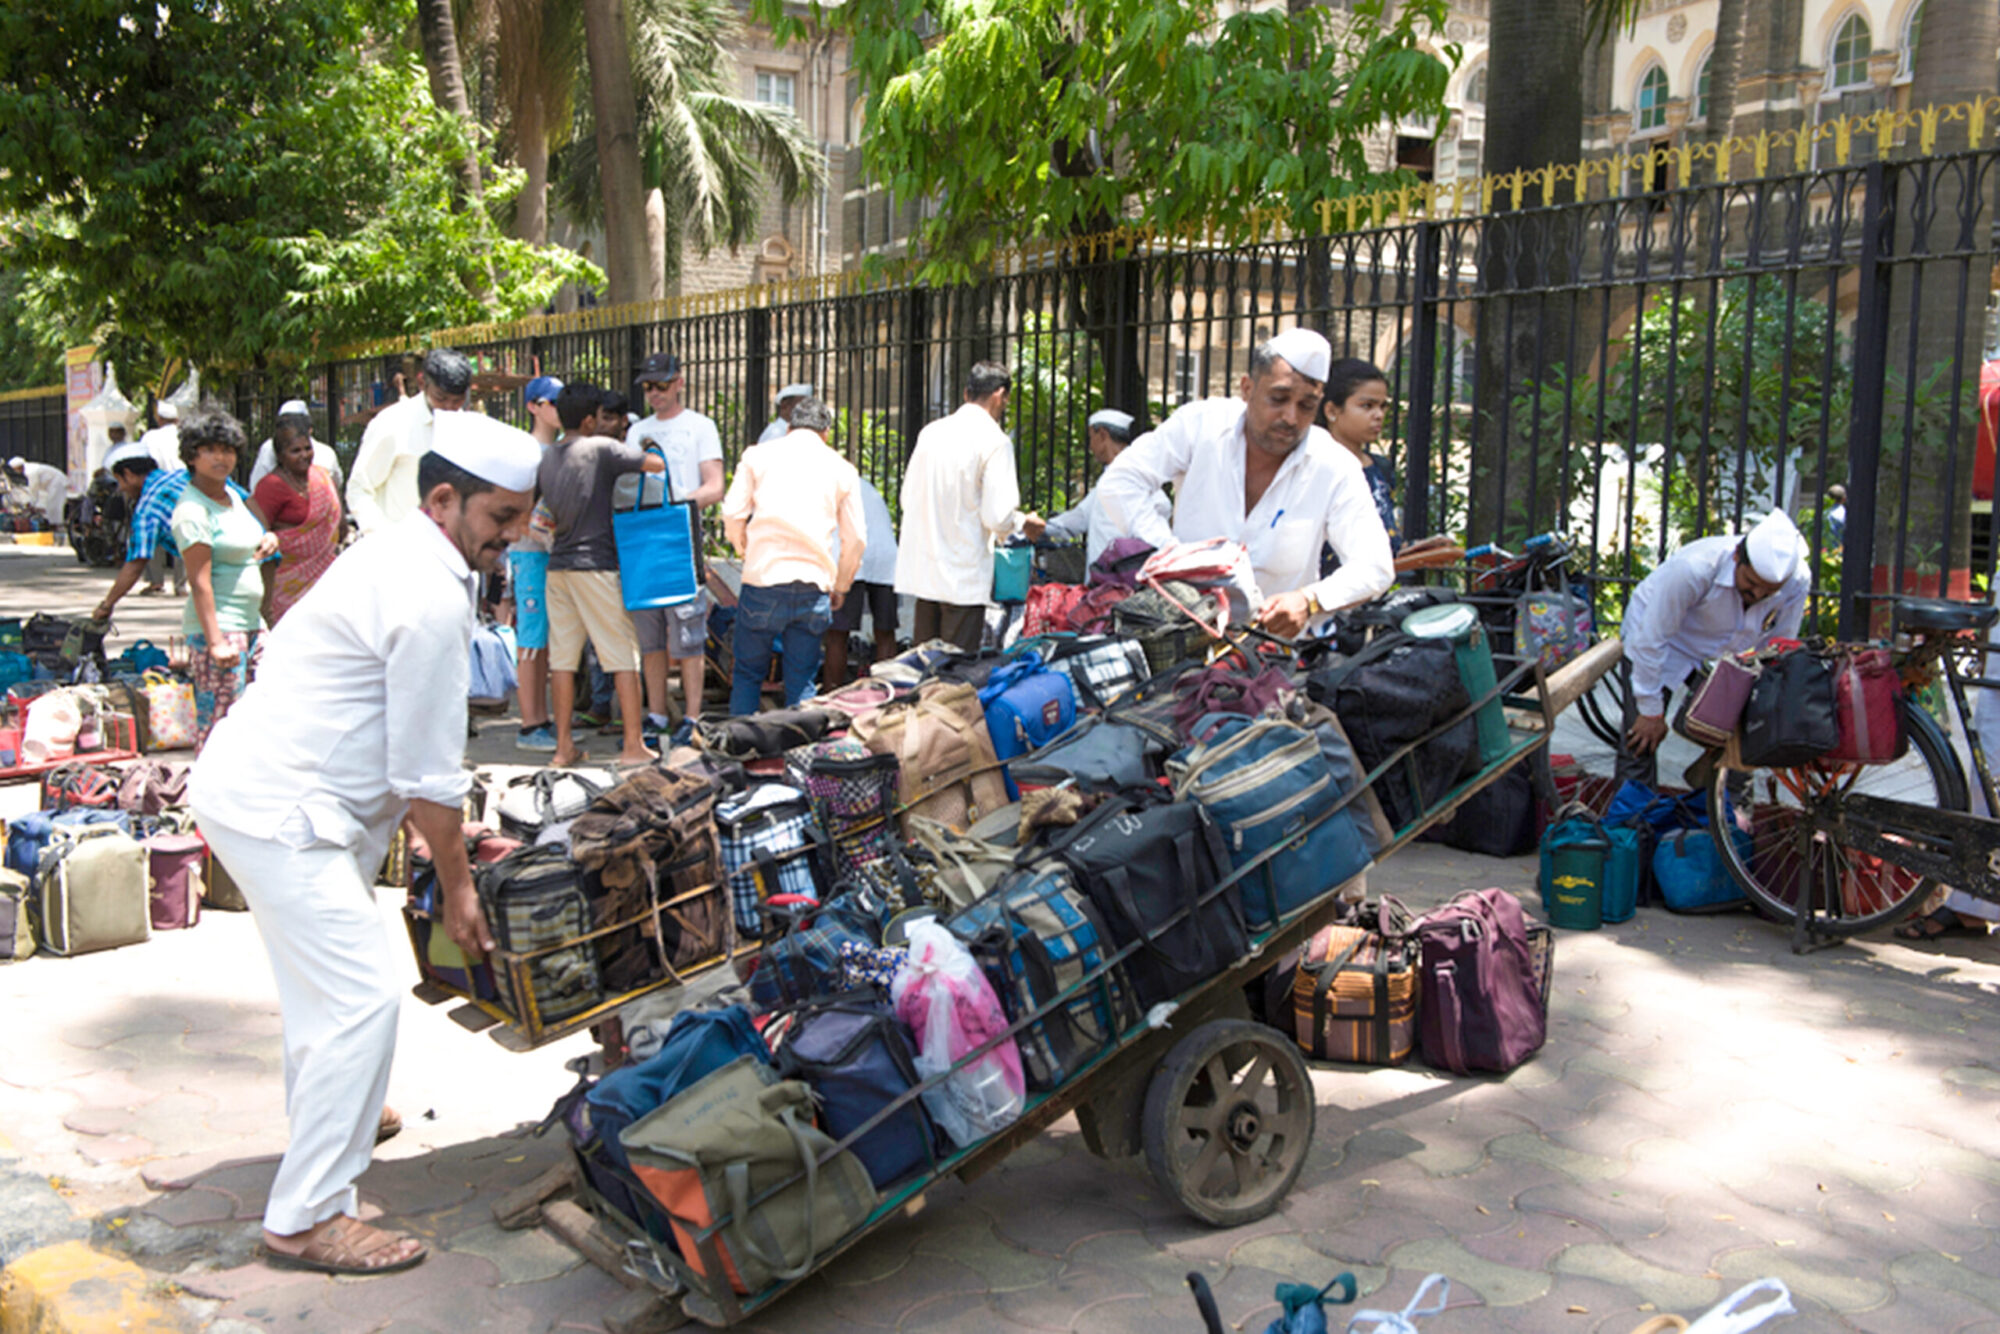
[(795, 616)]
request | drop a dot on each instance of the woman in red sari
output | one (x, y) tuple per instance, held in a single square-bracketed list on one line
[(303, 508)]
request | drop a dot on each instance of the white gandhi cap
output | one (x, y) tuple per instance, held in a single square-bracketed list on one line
[(490, 450), (17, 462), (1113, 418), (1304, 351), (1774, 548), (795, 391), (292, 405)]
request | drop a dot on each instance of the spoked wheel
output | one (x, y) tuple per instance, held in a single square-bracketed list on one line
[(1602, 709), (1229, 1117), (1784, 851)]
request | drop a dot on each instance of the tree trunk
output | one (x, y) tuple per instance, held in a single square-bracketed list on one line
[(619, 169), (656, 244), (531, 147), (1521, 339), (1725, 65), (438, 32), (1932, 539)]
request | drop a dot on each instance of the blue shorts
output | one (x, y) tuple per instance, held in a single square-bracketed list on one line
[(530, 572)]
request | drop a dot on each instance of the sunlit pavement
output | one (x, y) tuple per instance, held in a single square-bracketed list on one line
[(1709, 1109)]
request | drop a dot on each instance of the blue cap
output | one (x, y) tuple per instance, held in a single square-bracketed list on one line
[(541, 387)]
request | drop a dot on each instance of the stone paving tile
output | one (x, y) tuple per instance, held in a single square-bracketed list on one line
[(1495, 1284), (1844, 1288), (1529, 1240), (1052, 1305), (878, 1302)]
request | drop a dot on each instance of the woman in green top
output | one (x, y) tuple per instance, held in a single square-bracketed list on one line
[(222, 542)]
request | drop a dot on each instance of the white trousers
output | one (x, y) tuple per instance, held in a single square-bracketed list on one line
[(339, 998)]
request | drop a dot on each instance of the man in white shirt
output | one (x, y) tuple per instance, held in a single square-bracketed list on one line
[(294, 413), (47, 487), (163, 442), (873, 591), (1255, 470), (357, 719), (781, 419), (693, 447), (792, 501), (960, 495), (1714, 597), (383, 486), (1110, 433)]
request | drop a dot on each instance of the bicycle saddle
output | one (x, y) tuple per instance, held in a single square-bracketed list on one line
[(1943, 615)]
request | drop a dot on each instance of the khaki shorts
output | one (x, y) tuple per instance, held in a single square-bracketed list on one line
[(589, 604)]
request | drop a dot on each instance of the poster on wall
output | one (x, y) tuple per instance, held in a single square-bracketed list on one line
[(83, 376)]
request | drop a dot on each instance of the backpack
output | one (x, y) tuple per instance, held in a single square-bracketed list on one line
[(856, 1057), (1792, 716), (535, 903), (1267, 785), (1151, 871), (1480, 1006), (947, 768), (740, 1135), (1035, 937), (1393, 694)]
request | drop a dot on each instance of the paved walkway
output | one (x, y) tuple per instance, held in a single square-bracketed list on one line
[(1708, 1109)]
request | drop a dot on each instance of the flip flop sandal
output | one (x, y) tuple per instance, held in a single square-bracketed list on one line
[(390, 1126), (336, 1249), (1939, 924)]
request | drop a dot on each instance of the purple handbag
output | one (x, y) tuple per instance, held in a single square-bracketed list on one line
[(1711, 712), (1481, 1003)]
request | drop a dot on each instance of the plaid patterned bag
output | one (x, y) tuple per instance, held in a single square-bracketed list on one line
[(770, 844), (810, 959), (853, 796), (1035, 936), (534, 900)]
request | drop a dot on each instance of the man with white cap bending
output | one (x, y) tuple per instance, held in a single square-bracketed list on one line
[(356, 720), (780, 424), (1110, 433), (1255, 470), (47, 487), (1714, 597), (295, 416)]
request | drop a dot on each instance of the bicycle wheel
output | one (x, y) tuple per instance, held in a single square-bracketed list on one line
[(1602, 709), (1789, 857)]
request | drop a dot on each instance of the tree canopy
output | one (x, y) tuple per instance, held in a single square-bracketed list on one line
[(1051, 118), (244, 181)]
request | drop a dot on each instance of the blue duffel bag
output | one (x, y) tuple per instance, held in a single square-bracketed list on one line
[(856, 1056), (1689, 870), (1027, 706), (1264, 782)]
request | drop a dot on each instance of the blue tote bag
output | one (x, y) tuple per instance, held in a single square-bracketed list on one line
[(659, 541)]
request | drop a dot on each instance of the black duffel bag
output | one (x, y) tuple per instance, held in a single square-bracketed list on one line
[(1502, 819), (1149, 868), (1395, 692), (1792, 715), (757, 736)]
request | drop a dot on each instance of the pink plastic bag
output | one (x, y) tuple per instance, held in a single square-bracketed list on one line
[(947, 1003)]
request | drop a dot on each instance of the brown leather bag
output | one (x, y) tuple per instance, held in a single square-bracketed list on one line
[(650, 841), (949, 771)]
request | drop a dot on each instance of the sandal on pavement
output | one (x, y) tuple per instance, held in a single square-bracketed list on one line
[(1938, 924), (390, 1126), (343, 1245)]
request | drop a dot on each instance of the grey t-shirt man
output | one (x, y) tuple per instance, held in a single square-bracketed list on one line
[(577, 478)]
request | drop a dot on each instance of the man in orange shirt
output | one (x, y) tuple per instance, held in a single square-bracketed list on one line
[(788, 499)]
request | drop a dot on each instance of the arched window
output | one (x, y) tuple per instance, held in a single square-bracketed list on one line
[(1474, 92), (1701, 89), (1847, 62), (1651, 113), (1906, 54)]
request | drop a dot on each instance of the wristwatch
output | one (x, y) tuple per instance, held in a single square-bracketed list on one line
[(1312, 604)]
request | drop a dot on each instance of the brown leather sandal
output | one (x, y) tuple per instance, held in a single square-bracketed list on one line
[(390, 1126), (343, 1245)]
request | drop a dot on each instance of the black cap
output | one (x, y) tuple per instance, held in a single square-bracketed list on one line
[(661, 366)]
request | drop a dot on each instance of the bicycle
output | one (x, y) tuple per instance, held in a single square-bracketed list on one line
[(1863, 845)]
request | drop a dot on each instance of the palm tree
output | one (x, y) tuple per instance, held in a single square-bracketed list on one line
[(437, 32), (535, 86), (676, 158)]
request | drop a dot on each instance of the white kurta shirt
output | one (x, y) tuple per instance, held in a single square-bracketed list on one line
[(1319, 496), (1086, 519), (164, 444), (359, 703), (959, 495), (48, 489), (382, 489), (1688, 612)]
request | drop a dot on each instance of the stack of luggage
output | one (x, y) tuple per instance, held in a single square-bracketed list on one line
[(966, 881)]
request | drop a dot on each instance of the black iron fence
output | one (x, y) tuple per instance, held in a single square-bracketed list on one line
[(34, 425), (1638, 369)]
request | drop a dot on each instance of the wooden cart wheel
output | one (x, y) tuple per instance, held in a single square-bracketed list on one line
[(1229, 1117)]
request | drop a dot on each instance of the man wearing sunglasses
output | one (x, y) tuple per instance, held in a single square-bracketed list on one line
[(693, 447)]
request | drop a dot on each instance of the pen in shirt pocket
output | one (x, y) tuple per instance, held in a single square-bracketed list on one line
[(1275, 517)]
